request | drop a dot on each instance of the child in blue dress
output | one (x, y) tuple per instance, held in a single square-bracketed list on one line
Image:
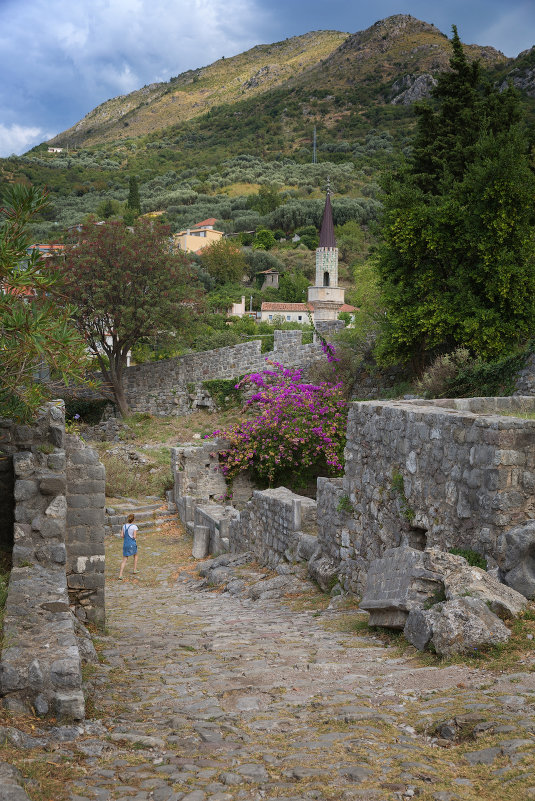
[(129, 544)]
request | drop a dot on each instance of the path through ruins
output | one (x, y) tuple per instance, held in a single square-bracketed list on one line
[(208, 697)]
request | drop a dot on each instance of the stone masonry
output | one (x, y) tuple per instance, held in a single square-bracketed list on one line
[(452, 473), (163, 387), (40, 665)]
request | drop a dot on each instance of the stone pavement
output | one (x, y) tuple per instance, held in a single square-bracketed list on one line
[(205, 696)]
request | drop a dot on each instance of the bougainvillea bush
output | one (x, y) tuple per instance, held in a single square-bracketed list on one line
[(300, 428)]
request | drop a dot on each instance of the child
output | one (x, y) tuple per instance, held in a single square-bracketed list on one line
[(129, 544)]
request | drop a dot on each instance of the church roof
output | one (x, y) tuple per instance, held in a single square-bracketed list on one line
[(327, 239)]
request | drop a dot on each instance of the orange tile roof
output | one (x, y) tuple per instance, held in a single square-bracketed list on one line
[(209, 221), (347, 308)]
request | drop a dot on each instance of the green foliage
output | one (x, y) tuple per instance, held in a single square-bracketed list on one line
[(33, 331), (127, 286), (438, 597), (457, 260), (398, 487), (133, 203), (457, 375), (224, 261), (264, 239), (267, 199), (293, 288), (344, 505), (473, 558), (224, 392)]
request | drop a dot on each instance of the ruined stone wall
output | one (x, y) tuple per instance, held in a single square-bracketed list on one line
[(162, 387), (271, 523), (40, 665), (86, 501), (429, 473)]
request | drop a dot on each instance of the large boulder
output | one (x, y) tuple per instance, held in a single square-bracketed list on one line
[(461, 579), (465, 625), (516, 558)]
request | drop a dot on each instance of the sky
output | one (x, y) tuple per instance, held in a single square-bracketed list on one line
[(59, 59)]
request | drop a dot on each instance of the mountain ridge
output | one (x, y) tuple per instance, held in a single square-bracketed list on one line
[(387, 50)]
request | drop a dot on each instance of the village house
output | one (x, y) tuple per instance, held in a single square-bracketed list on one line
[(199, 236)]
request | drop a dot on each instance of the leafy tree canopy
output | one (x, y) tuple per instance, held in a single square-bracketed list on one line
[(224, 261), (127, 285), (456, 264)]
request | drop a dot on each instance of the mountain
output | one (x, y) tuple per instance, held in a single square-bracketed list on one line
[(382, 64), (203, 143), (195, 92)]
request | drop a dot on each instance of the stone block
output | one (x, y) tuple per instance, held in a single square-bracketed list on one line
[(87, 501), (69, 705), (24, 463), (53, 485), (56, 461), (516, 558), (56, 435), (25, 489)]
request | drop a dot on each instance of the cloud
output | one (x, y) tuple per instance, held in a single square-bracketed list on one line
[(59, 60), (19, 138), (512, 32)]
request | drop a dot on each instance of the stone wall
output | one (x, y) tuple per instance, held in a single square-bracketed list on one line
[(164, 387), (525, 382), (86, 501), (421, 473), (271, 525), (40, 665)]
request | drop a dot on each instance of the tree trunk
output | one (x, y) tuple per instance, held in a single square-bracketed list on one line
[(114, 376)]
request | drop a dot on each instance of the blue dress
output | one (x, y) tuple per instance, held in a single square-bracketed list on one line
[(129, 543)]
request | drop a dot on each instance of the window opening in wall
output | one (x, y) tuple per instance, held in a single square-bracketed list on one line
[(326, 278), (417, 538)]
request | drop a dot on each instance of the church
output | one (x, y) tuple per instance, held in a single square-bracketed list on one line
[(325, 298)]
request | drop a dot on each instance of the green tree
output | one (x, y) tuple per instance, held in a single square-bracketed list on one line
[(293, 288), (267, 200), (33, 331), (224, 261), (264, 239), (456, 263), (127, 285), (133, 203)]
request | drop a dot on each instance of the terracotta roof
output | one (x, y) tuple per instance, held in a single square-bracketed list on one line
[(266, 272), (327, 239), (347, 308), (209, 221), (286, 307)]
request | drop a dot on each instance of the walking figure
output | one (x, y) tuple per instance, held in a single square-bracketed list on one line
[(129, 544)]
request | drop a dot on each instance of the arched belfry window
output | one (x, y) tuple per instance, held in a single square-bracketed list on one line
[(326, 278)]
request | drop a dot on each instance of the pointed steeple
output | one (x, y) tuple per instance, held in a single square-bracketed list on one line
[(327, 239)]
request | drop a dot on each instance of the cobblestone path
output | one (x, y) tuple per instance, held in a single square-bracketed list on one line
[(202, 696)]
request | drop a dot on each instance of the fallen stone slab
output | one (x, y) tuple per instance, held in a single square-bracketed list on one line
[(142, 739), (397, 583)]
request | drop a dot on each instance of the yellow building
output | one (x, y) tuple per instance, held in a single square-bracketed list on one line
[(194, 239)]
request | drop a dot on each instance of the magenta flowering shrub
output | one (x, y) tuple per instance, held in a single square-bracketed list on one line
[(299, 427)]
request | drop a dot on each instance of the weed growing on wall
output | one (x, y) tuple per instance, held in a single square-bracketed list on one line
[(299, 427)]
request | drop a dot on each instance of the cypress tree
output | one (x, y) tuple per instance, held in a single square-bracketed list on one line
[(133, 203)]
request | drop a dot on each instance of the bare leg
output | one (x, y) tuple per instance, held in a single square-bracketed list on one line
[(135, 563), (123, 563)]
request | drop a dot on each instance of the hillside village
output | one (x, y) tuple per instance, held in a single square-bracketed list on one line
[(268, 326)]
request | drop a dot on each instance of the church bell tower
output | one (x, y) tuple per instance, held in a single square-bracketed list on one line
[(326, 297)]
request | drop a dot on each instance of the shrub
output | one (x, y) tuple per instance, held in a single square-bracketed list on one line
[(299, 427), (438, 377), (473, 558)]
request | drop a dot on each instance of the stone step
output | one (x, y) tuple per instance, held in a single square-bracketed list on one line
[(139, 516)]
